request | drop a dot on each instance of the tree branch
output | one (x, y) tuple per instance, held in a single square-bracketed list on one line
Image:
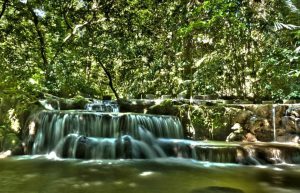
[(75, 29), (110, 83), (4, 5), (66, 21), (40, 37)]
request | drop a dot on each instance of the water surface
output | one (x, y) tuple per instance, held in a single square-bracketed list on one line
[(38, 174)]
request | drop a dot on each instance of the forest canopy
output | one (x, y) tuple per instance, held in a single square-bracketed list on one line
[(127, 48)]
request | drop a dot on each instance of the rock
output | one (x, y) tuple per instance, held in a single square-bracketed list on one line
[(281, 131), (166, 97), (258, 124), (295, 113), (234, 137), (237, 134), (51, 102), (136, 106), (269, 153), (166, 107), (150, 96), (265, 135), (288, 138), (236, 126), (243, 116), (250, 138), (217, 189), (260, 110), (291, 124)]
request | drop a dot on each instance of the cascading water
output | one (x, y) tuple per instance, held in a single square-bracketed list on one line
[(97, 135), (93, 134), (90, 134), (274, 122), (103, 106)]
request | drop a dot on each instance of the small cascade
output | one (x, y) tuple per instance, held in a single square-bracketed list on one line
[(271, 153), (217, 154), (46, 105), (291, 122), (274, 122), (58, 105), (179, 148), (103, 106)]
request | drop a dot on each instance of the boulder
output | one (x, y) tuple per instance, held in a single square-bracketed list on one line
[(237, 134), (292, 138), (242, 116), (249, 137), (258, 124)]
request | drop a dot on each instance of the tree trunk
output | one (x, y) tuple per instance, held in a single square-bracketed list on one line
[(3, 8), (110, 79)]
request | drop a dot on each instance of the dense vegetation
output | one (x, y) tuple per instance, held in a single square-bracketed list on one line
[(127, 48)]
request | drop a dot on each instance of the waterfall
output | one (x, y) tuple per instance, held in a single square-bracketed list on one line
[(97, 135), (93, 134), (274, 122)]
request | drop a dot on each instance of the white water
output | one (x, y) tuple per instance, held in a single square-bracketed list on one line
[(274, 122), (103, 106)]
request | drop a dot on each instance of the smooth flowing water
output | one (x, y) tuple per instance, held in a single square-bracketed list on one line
[(41, 175), (274, 122)]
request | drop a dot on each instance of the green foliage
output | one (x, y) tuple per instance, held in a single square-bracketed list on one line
[(165, 108), (8, 139), (233, 48), (210, 123)]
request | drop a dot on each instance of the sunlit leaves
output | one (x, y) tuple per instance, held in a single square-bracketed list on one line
[(150, 46)]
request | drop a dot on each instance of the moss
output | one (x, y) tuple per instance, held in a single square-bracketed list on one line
[(200, 122), (8, 139), (79, 102), (211, 122), (136, 106), (164, 108)]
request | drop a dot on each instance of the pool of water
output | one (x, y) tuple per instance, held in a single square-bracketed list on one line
[(38, 174)]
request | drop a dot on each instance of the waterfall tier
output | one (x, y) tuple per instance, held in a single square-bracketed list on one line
[(55, 127), (97, 135)]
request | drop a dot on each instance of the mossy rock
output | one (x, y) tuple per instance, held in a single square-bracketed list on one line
[(134, 106), (242, 116), (77, 102), (211, 122), (164, 108)]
